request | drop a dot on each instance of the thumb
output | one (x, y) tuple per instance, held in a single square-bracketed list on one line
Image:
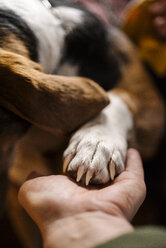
[(134, 164)]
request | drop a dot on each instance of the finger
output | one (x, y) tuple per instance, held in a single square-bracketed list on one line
[(127, 192), (38, 194), (134, 191), (49, 192), (134, 164), (30, 187)]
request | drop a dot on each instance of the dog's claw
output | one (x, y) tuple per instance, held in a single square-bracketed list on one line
[(112, 170), (80, 173), (89, 176), (66, 162)]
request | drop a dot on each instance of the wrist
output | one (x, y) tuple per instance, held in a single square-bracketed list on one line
[(84, 230)]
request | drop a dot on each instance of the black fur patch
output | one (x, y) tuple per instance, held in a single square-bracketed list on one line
[(12, 23), (88, 47)]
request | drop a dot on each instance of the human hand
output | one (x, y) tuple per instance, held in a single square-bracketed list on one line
[(158, 9), (74, 216)]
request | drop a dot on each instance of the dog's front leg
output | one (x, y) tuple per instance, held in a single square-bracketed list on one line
[(97, 150), (45, 100)]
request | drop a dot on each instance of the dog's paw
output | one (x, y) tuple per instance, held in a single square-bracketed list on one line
[(93, 157), (97, 151)]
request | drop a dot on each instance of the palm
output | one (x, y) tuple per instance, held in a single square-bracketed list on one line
[(63, 197)]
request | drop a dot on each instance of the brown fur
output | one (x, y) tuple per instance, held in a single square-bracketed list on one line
[(20, 73), (136, 89), (11, 43), (146, 106), (56, 104)]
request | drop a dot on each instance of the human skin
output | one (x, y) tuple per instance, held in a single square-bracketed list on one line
[(70, 215)]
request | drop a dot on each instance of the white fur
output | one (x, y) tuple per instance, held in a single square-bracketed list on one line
[(46, 4), (70, 17), (47, 26), (101, 140)]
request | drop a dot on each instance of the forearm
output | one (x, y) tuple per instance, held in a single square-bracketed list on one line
[(84, 230)]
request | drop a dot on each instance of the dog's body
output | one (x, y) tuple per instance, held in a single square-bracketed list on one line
[(70, 41)]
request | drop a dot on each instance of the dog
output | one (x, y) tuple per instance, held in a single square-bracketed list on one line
[(67, 40)]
